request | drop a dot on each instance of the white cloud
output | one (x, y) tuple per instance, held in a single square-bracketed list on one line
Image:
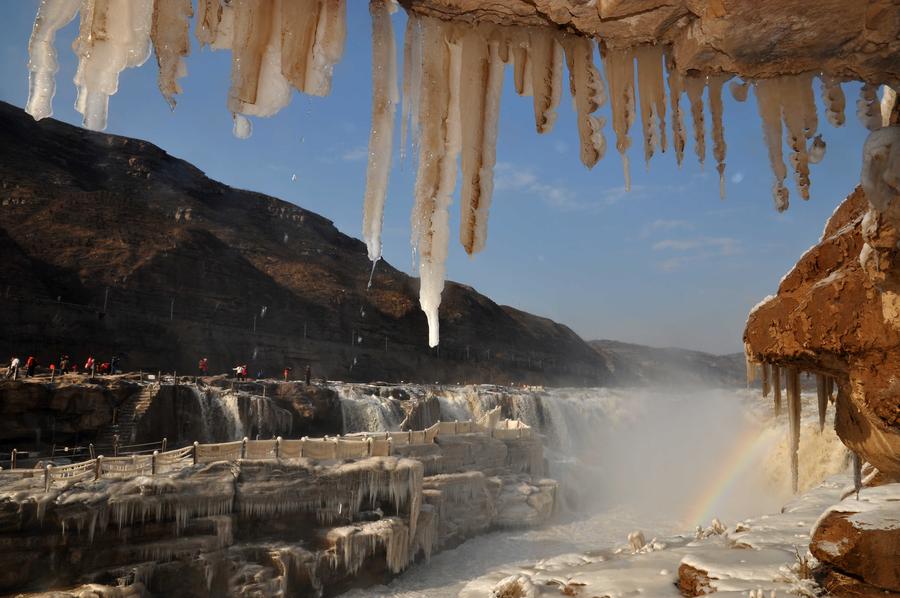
[(508, 177), (664, 225), (720, 245), (737, 177), (355, 154)]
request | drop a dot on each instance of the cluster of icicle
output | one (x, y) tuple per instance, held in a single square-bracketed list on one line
[(773, 379), (276, 45), (449, 70)]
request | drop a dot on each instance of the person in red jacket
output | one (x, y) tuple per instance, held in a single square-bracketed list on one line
[(30, 364), (89, 365), (203, 366)]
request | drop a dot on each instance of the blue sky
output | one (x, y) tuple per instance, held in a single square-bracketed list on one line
[(669, 264)]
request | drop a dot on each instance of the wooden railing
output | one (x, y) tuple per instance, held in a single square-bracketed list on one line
[(353, 446)]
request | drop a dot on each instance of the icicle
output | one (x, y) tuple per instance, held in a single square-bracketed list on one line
[(822, 396), (739, 90), (242, 128), (856, 464), (438, 151), (481, 86), (833, 98), (776, 387), (694, 87), (546, 55), (768, 99), (751, 370), (412, 53), (381, 138), (112, 37), (52, 16), (171, 40), (793, 393), (718, 130), (520, 53), (816, 150), (299, 20), (589, 93), (209, 15), (619, 65), (829, 388), (798, 110), (868, 109), (652, 96), (765, 379), (888, 99), (676, 88), (331, 33)]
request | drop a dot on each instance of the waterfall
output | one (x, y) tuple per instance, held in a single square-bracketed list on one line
[(227, 415), (364, 409)]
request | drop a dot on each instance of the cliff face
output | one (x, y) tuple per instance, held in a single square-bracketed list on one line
[(111, 245), (830, 317)]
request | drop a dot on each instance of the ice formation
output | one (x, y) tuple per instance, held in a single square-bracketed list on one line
[(381, 138), (793, 395), (448, 69)]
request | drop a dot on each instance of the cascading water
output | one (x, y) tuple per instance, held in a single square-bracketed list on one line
[(365, 410), (231, 415), (654, 459)]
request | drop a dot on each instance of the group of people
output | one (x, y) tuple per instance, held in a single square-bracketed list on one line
[(240, 371), (65, 366)]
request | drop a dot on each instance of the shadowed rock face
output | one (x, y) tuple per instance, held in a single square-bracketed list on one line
[(828, 317), (752, 39), (195, 268)]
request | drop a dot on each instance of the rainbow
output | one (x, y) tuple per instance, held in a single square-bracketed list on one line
[(749, 449)]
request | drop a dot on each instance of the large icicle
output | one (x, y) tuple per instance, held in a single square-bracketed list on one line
[(331, 33), (438, 150), (822, 396), (652, 95), (694, 87), (798, 110), (381, 137), (793, 394), (716, 110), (258, 86), (676, 89), (520, 54), (619, 65), (299, 21), (546, 56), (765, 379), (412, 68), (481, 86), (833, 98), (768, 99), (170, 33), (113, 36), (776, 387), (52, 16), (589, 93)]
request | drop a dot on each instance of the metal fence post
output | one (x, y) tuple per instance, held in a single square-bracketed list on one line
[(153, 462), (278, 447), (165, 442), (243, 447), (115, 445), (12, 459), (47, 478), (98, 468), (390, 446), (369, 446), (196, 445)]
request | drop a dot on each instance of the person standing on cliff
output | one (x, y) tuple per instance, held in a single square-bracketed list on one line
[(114, 365), (13, 370), (64, 364), (287, 374), (89, 365), (203, 366), (308, 374), (30, 365)]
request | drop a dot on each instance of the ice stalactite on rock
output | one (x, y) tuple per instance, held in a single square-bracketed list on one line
[(793, 395), (546, 56), (694, 87), (481, 86), (776, 388), (520, 55), (43, 65), (170, 33), (739, 90), (652, 97), (768, 98), (868, 108), (716, 110), (765, 379), (439, 148), (113, 36), (589, 93), (835, 102), (381, 137), (412, 82), (676, 90), (799, 113), (822, 397), (619, 65)]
